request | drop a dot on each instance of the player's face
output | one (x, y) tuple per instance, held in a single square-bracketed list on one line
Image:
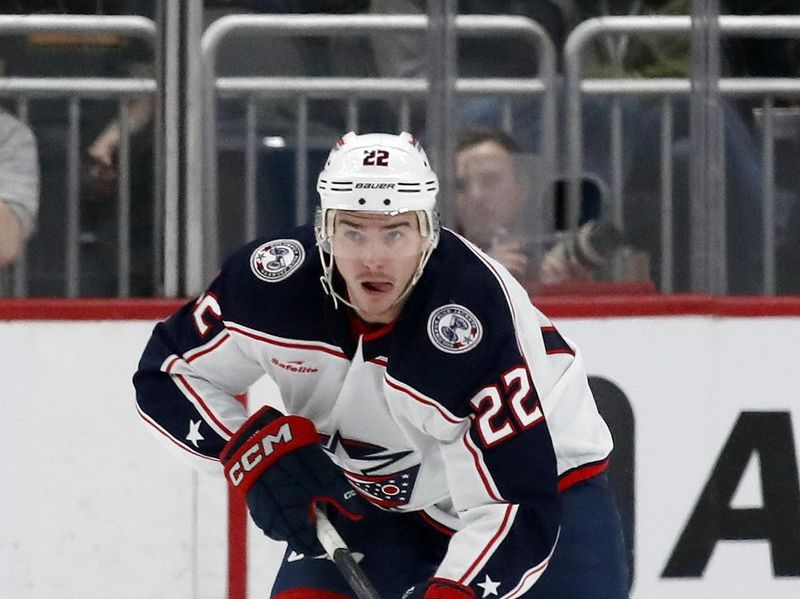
[(376, 254), (488, 192)]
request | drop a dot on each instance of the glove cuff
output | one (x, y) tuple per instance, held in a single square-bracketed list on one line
[(262, 440)]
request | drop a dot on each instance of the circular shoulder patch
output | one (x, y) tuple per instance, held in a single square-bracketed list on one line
[(454, 329), (276, 260)]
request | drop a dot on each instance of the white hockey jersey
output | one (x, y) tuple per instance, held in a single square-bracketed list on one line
[(470, 406)]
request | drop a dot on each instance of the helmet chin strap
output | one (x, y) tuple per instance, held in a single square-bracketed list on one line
[(423, 260), (327, 278)]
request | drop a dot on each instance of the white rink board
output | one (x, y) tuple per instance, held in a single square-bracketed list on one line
[(94, 507), (688, 379)]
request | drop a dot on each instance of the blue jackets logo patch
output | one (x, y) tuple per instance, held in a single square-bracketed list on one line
[(389, 491), (454, 329), (276, 260)]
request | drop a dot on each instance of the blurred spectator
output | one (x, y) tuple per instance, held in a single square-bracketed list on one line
[(19, 185), (659, 56), (494, 210), (47, 53), (105, 146), (385, 54), (670, 56), (491, 196)]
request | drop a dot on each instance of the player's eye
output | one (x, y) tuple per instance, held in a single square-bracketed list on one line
[(353, 236), (395, 236)]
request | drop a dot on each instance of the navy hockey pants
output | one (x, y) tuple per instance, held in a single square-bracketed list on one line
[(403, 549)]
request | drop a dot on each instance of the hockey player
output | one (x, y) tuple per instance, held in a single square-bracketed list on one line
[(441, 419)]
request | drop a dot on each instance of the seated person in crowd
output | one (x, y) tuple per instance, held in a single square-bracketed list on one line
[(19, 185), (491, 210)]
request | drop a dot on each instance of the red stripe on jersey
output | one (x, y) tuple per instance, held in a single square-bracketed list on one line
[(474, 452), (435, 524), (377, 334), (369, 330), (554, 343), (581, 473), (170, 438), (171, 363), (281, 343), (504, 526), (223, 338), (517, 590), (205, 407), (394, 385)]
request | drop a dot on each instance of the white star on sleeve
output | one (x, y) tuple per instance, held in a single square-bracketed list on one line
[(489, 587), (194, 432)]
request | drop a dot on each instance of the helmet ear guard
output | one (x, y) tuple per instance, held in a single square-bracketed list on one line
[(322, 232), (430, 225)]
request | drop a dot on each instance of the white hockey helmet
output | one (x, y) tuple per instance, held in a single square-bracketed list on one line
[(377, 172)]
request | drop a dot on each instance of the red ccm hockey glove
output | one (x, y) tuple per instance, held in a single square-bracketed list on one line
[(439, 588), (277, 461)]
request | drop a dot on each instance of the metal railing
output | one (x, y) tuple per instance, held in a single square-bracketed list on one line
[(74, 89), (347, 89), (666, 88), (201, 255)]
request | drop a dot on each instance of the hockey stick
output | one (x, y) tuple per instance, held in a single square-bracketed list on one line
[(337, 550)]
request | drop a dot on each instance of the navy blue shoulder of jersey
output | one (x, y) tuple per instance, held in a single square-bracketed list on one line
[(456, 334), (273, 285)]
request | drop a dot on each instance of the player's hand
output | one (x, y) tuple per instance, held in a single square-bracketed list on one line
[(558, 268), (104, 148), (511, 254), (439, 588), (278, 462)]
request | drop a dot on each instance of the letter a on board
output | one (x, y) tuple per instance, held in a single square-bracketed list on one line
[(777, 521)]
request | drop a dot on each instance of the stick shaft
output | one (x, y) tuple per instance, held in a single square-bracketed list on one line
[(338, 551)]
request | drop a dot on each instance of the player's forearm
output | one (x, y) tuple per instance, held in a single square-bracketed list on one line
[(506, 547), (175, 395), (508, 507)]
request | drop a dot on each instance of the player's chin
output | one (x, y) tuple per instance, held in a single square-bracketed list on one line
[(375, 308), (377, 305)]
